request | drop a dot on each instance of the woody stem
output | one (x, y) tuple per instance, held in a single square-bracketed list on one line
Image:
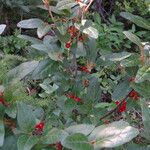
[(113, 110), (86, 9)]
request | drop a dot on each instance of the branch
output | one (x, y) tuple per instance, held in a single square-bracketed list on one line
[(113, 110), (46, 3), (86, 9)]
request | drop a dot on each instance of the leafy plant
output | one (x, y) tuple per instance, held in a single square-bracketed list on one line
[(73, 93), (111, 36), (138, 6), (13, 45)]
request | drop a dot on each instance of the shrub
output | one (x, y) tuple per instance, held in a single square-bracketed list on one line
[(88, 97)]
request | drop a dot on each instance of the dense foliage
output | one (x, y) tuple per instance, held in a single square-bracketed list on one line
[(75, 75)]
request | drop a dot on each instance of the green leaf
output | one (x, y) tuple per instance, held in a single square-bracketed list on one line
[(42, 70), (26, 142), (56, 56), (21, 71), (103, 105), (2, 28), (40, 47), (113, 135), (11, 111), (133, 38), (121, 91), (10, 143), (43, 30), (62, 38), (52, 8), (77, 142), (94, 90), (81, 128), (51, 49), (80, 51), (49, 89), (92, 32), (116, 56), (87, 28), (139, 21), (2, 129), (30, 23), (21, 142), (143, 74), (142, 88), (55, 135), (30, 39), (146, 118), (131, 61), (65, 4), (25, 117), (38, 113)]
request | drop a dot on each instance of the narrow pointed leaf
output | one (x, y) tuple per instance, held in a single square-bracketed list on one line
[(133, 38), (143, 74), (139, 21)]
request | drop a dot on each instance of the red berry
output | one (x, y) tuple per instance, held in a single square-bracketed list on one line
[(40, 126), (81, 38), (72, 30), (132, 79), (134, 95), (122, 107), (85, 69), (59, 146), (71, 96), (2, 101), (75, 98), (68, 45)]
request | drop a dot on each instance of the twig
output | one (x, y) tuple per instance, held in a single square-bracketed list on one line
[(46, 3), (113, 110), (86, 9)]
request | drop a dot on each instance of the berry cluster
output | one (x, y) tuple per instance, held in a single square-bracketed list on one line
[(122, 107), (134, 95), (74, 32)]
